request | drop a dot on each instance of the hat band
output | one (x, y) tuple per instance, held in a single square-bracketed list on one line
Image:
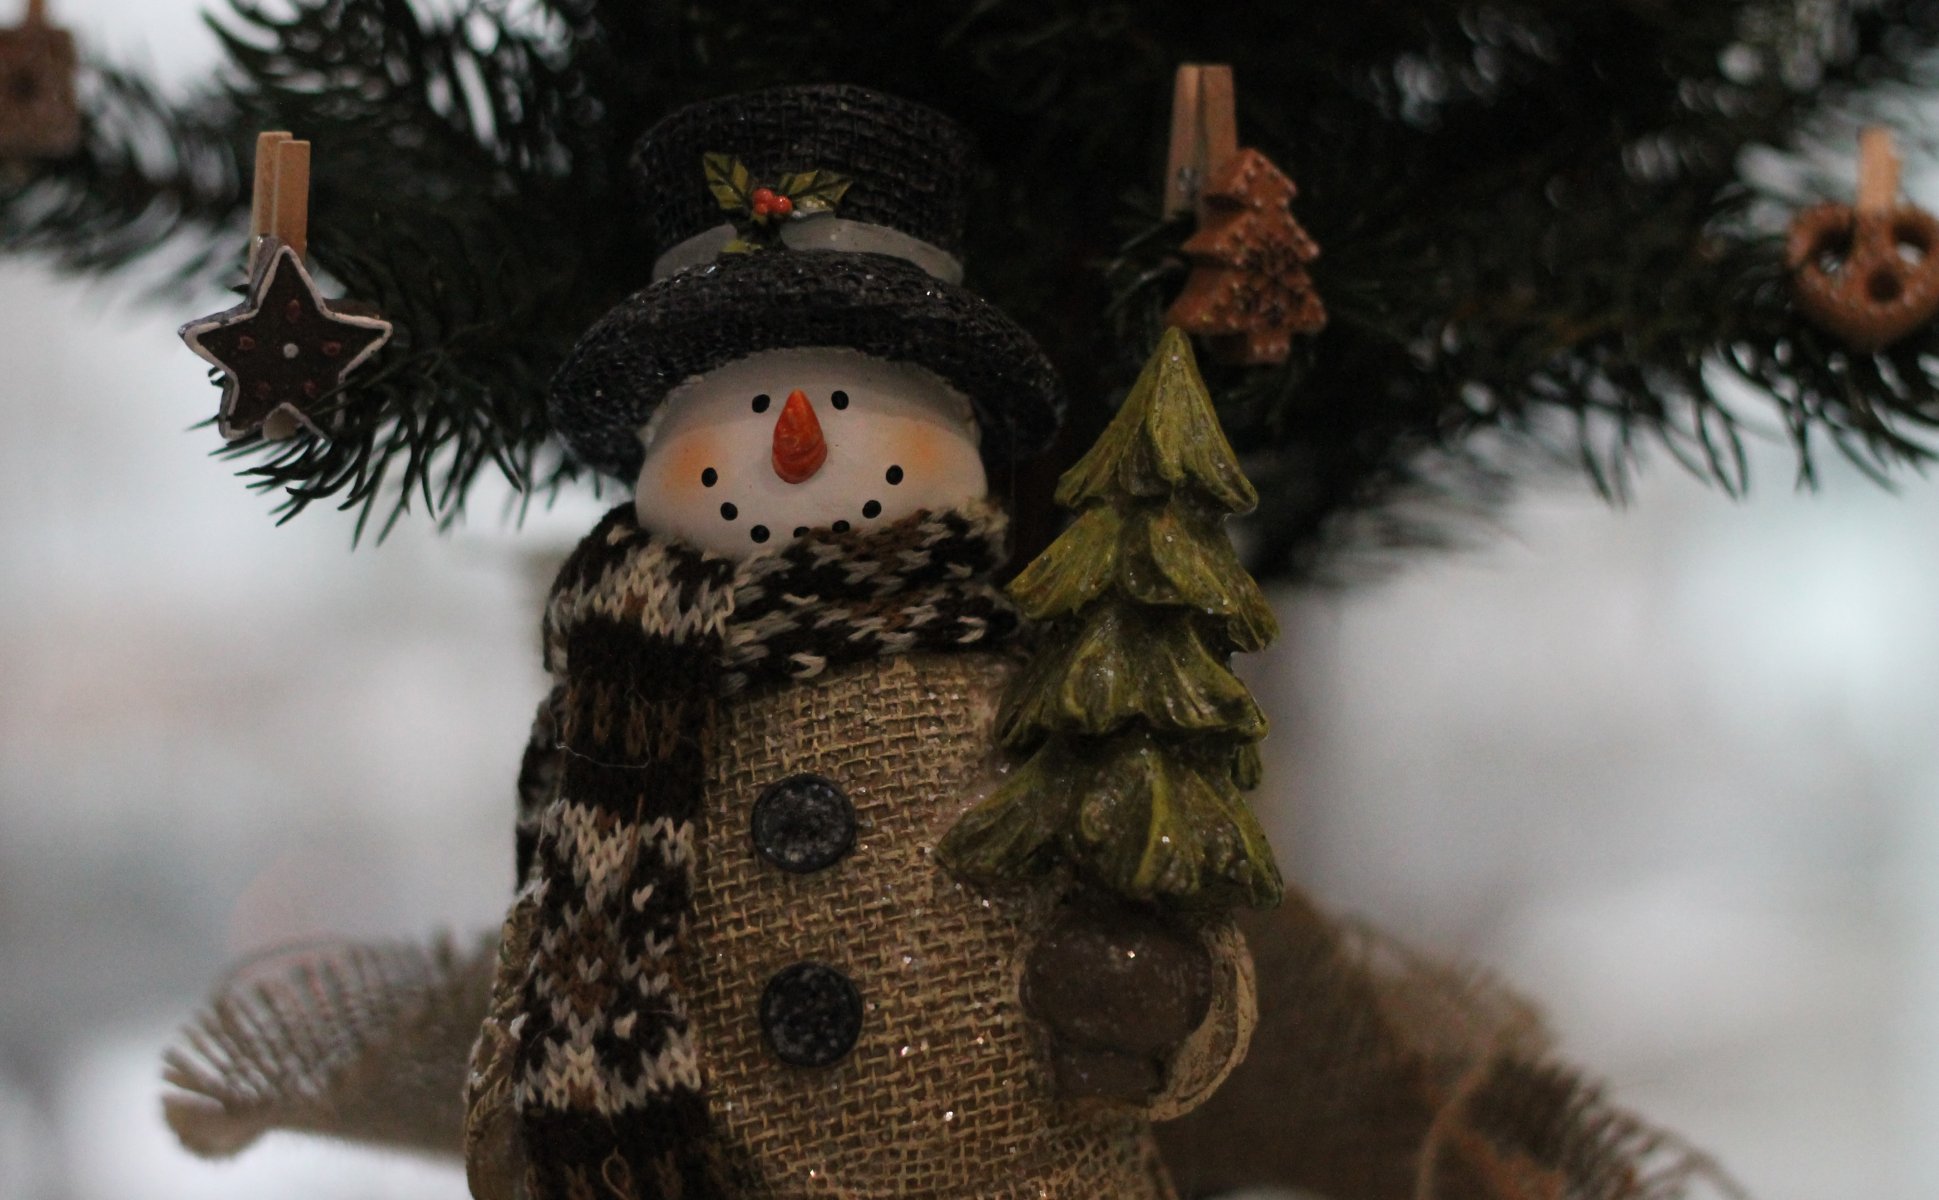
[(820, 232)]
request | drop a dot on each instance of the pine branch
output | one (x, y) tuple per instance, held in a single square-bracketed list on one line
[(462, 186), (1537, 252), (152, 174), (1588, 252)]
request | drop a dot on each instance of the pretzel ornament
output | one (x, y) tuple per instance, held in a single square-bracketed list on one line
[(1867, 272)]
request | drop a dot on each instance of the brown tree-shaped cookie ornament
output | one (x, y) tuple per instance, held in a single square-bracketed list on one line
[(39, 115), (1249, 293), (1140, 737), (285, 350), (1867, 272)]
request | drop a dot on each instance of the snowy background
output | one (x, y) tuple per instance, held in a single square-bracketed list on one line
[(1674, 770)]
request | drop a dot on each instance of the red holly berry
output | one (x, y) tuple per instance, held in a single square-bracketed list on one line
[(782, 206), (763, 207), (763, 196)]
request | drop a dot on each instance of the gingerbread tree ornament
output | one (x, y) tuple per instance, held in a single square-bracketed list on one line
[(1249, 292), (1140, 736), (39, 115)]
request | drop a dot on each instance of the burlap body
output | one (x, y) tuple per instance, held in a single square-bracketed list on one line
[(947, 1093)]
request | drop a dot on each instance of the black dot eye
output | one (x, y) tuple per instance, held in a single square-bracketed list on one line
[(840, 527), (872, 509), (895, 476), (729, 511), (839, 400), (710, 477), (761, 402), (801, 531), (759, 533)]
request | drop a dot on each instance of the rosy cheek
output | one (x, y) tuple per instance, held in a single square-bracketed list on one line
[(918, 452), (686, 459)]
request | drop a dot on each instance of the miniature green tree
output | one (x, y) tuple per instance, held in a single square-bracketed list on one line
[(1140, 737)]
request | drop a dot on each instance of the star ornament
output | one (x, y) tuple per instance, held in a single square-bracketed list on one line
[(283, 349)]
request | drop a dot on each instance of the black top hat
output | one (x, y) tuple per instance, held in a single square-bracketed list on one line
[(865, 259)]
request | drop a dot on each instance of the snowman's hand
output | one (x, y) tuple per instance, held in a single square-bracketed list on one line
[(1120, 989)]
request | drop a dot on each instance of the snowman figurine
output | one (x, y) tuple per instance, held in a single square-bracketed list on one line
[(734, 968)]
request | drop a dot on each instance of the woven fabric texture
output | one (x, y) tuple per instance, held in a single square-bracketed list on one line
[(910, 164), (643, 637), (947, 1092), (354, 1041), (1377, 1073)]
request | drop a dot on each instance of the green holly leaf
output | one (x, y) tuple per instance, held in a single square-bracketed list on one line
[(740, 246), (729, 180), (814, 191)]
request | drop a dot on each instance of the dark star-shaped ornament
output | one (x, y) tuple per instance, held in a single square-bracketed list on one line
[(282, 349)]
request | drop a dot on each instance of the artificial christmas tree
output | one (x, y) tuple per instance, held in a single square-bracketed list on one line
[(1536, 219)]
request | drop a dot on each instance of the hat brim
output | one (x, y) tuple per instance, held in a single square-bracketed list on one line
[(691, 323)]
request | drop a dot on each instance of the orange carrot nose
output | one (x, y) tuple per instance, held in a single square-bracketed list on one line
[(799, 449)]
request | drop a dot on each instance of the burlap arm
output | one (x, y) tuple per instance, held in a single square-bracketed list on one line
[(1381, 1074), (358, 1041)]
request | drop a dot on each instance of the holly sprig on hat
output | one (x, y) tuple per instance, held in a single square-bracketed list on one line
[(760, 207)]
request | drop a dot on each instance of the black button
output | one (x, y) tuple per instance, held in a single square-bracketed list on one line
[(811, 1014), (804, 823)]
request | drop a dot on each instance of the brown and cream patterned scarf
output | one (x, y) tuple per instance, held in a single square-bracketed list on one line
[(643, 638)]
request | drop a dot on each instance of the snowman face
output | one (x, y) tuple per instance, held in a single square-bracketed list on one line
[(753, 455)]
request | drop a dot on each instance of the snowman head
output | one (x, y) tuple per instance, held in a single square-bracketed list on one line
[(752, 455), (866, 257)]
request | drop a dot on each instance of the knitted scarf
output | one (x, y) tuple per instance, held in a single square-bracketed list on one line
[(644, 637)]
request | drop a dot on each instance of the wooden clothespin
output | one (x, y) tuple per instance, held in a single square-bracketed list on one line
[(281, 206), (1204, 133), (1878, 171)]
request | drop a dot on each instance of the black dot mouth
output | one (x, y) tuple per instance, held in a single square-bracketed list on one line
[(759, 533), (872, 509), (709, 477), (728, 512), (894, 476)]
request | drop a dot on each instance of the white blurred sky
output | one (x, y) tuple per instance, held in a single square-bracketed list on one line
[(1673, 769)]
